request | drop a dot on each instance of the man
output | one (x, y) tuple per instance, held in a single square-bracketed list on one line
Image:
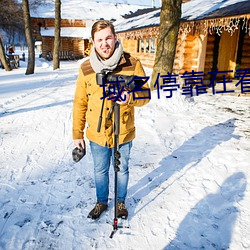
[(107, 54)]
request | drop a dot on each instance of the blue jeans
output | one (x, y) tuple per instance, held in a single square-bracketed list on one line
[(102, 157)]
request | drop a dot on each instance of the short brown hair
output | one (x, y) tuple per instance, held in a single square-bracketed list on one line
[(101, 24)]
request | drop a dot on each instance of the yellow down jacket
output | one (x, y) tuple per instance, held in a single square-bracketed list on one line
[(88, 101)]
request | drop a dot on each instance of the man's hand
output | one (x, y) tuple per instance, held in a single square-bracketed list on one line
[(79, 143), (79, 151), (124, 96)]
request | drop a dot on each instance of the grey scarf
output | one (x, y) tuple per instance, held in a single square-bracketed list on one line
[(110, 64)]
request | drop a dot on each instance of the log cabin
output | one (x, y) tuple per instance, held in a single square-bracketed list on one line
[(74, 37), (77, 19), (212, 34)]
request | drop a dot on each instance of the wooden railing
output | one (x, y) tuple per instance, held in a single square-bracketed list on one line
[(63, 55)]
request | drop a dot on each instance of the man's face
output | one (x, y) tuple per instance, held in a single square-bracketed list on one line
[(104, 42)]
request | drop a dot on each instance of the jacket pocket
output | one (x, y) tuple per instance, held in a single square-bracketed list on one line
[(126, 120)]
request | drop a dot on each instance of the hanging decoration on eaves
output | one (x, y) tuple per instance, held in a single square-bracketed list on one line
[(148, 32), (205, 27), (218, 25)]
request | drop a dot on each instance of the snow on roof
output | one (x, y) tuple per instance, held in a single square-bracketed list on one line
[(80, 32), (192, 10), (145, 20), (85, 10), (197, 9)]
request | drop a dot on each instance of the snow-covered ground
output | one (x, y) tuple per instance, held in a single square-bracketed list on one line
[(189, 170)]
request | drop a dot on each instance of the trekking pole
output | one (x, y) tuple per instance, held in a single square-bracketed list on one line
[(117, 156)]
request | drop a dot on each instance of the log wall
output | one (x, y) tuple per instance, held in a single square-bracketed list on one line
[(245, 59), (131, 46), (50, 22), (190, 54), (73, 45), (179, 56)]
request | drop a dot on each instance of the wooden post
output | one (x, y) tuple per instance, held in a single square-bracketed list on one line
[(202, 53)]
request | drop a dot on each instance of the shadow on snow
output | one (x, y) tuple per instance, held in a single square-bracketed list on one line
[(191, 152), (23, 110), (209, 225), (212, 219)]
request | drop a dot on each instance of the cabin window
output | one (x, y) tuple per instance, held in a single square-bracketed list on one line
[(146, 45), (141, 45), (152, 45)]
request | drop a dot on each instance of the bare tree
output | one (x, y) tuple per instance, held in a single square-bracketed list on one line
[(11, 16), (36, 3), (11, 24), (56, 59), (28, 33), (3, 57), (168, 34)]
